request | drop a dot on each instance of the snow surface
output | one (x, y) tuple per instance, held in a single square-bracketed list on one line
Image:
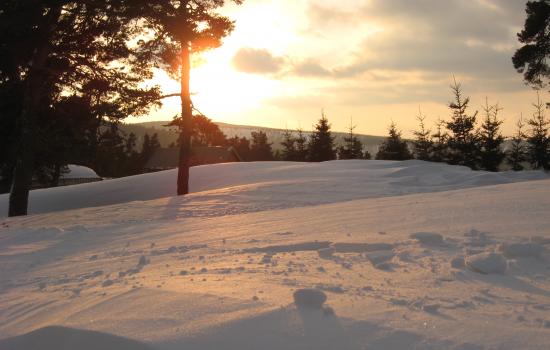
[(79, 172), (407, 254)]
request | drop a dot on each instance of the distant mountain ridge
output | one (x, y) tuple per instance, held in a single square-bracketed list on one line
[(168, 135)]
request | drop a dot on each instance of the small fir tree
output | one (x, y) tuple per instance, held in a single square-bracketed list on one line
[(490, 139), (462, 142), (423, 144), (538, 140), (301, 147), (439, 147), (517, 154), (321, 146), (353, 148), (394, 148), (260, 149), (288, 152)]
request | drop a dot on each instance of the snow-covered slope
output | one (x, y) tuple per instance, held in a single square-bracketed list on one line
[(408, 255), (276, 184)]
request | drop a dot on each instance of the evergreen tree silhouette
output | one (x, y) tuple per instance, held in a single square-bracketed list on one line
[(393, 148), (462, 142), (490, 139), (423, 144), (517, 154), (260, 149), (321, 145), (353, 148), (538, 141), (289, 146), (301, 154)]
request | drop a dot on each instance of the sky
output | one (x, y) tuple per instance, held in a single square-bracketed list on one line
[(366, 62)]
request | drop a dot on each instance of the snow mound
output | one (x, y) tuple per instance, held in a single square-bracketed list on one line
[(521, 250), (287, 184), (80, 172), (64, 338), (487, 263), (309, 298), (428, 238)]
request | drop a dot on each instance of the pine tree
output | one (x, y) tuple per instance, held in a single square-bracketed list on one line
[(353, 148), (394, 148), (242, 145), (423, 144), (178, 30), (538, 140), (260, 149), (301, 147), (490, 139), (517, 154), (289, 146), (321, 145), (439, 147), (462, 143)]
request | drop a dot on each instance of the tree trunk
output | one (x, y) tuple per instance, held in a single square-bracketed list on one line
[(186, 122), (26, 124)]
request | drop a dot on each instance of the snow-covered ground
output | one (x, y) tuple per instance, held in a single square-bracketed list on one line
[(407, 255)]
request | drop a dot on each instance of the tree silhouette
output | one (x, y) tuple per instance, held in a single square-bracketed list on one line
[(260, 149), (289, 146), (517, 154), (531, 58), (183, 28), (490, 139), (353, 148), (393, 148), (51, 50), (462, 142), (321, 145), (423, 144), (301, 146), (538, 139)]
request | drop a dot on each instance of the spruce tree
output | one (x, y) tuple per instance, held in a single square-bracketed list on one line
[(538, 139), (517, 153), (423, 144), (394, 148), (321, 145), (439, 147), (353, 148), (490, 139), (289, 146), (260, 149), (462, 142), (301, 147)]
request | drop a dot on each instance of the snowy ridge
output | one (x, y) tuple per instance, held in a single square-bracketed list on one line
[(285, 184), (338, 255)]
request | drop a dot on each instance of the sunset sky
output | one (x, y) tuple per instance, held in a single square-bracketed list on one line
[(373, 60)]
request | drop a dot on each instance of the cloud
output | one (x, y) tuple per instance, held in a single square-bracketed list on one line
[(257, 61)]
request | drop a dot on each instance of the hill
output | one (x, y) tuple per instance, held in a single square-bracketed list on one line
[(277, 255), (275, 136)]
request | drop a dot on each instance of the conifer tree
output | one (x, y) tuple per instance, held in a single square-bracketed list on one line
[(260, 149), (394, 148), (462, 142), (321, 145), (439, 147), (180, 29), (538, 139), (490, 139), (289, 146), (517, 154), (423, 144), (301, 147), (353, 148), (242, 145)]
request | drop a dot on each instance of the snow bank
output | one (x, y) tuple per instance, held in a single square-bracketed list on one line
[(286, 183)]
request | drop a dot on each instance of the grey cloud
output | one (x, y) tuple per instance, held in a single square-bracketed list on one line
[(257, 61), (310, 68)]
